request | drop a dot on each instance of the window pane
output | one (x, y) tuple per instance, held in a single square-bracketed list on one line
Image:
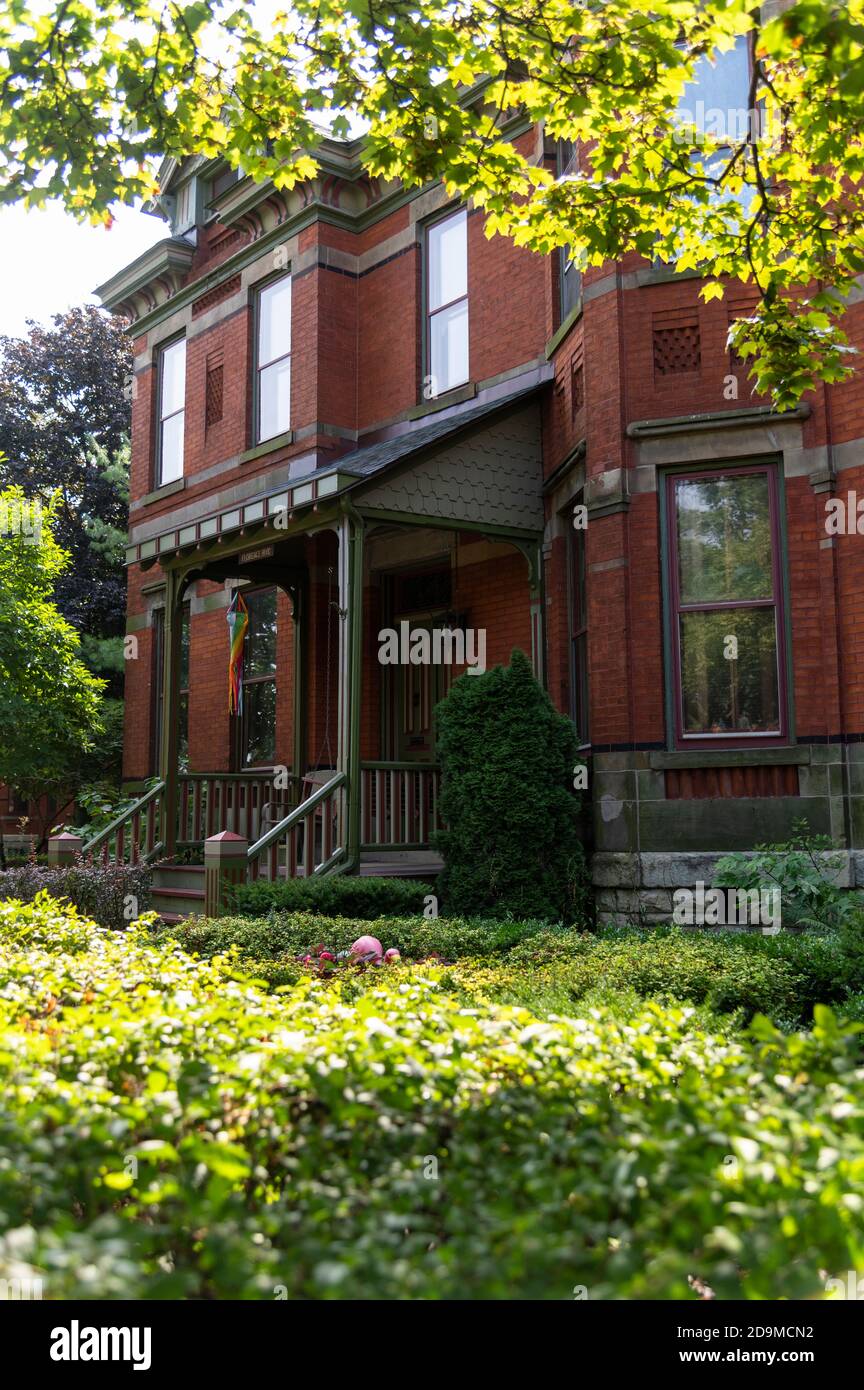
[(449, 347), (274, 321), (173, 389), (260, 714), (716, 99), (274, 400), (261, 635), (171, 450), (724, 539), (448, 260), (724, 692)]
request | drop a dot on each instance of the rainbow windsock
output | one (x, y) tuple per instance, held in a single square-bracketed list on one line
[(238, 622)]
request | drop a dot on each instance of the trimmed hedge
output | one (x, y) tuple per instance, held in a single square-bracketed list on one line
[(296, 934), (333, 895), (111, 895), (170, 1131)]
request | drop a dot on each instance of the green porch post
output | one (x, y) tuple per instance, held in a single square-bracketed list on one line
[(351, 560), (300, 617), (170, 710)]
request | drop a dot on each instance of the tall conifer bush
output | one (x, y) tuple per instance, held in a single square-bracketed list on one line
[(507, 757)]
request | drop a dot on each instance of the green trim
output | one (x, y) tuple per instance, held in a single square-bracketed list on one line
[(355, 679), (558, 337), (799, 756), (454, 397), (484, 528), (167, 489), (267, 446), (712, 419)]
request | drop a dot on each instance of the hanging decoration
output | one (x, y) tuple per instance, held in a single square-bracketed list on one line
[(238, 622)]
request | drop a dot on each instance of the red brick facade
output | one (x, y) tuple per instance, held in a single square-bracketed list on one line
[(637, 382)]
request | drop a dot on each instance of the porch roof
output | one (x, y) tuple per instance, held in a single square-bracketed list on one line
[(355, 471)]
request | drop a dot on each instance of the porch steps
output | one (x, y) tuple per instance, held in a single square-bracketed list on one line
[(409, 863), (178, 891)]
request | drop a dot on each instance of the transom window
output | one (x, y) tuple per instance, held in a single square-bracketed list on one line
[(726, 605), (447, 302), (273, 360), (172, 412)]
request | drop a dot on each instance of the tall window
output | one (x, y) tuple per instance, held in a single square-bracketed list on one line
[(257, 724), (159, 693), (716, 102), (578, 623), (570, 276), (447, 302), (726, 605), (172, 412), (273, 360)]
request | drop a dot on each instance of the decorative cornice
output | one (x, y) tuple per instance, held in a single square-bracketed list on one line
[(149, 282)]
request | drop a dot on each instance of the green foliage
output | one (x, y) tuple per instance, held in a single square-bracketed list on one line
[(64, 424), (296, 934), (95, 91), (333, 895), (806, 872), (111, 895), (169, 1130), (49, 701), (507, 760)]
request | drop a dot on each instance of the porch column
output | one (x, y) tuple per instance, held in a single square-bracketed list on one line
[(533, 552), (351, 556), (300, 617), (168, 750)]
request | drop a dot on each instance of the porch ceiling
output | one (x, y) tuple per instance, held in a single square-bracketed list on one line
[(481, 466)]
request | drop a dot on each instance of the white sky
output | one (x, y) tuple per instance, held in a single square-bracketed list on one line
[(51, 262)]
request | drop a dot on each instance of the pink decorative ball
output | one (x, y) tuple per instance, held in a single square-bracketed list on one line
[(367, 946), (392, 955)]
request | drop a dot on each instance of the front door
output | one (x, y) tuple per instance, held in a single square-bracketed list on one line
[(418, 690)]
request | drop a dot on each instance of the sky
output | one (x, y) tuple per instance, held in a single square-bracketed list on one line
[(51, 262)]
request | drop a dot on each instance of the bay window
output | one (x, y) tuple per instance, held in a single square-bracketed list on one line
[(172, 412), (273, 360), (447, 302), (726, 605)]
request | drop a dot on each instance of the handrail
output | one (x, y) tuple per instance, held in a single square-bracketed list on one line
[(121, 820), (335, 857), (400, 767), (299, 813), (255, 774)]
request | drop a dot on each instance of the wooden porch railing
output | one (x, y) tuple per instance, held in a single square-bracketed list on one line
[(247, 804), (309, 840), (399, 805), (133, 837)]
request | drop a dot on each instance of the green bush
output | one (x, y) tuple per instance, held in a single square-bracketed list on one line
[(169, 1130), (507, 759), (112, 895), (295, 934), (784, 977), (333, 895), (806, 872)]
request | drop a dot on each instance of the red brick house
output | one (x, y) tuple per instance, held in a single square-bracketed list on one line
[(357, 410)]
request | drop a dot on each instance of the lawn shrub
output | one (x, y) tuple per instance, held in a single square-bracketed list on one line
[(169, 1130), (111, 895), (333, 895), (295, 934), (507, 757)]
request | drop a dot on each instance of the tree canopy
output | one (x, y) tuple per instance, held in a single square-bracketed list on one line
[(49, 701), (92, 89), (64, 423)]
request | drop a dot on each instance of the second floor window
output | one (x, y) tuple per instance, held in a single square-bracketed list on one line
[(726, 597), (447, 302), (172, 412), (273, 360)]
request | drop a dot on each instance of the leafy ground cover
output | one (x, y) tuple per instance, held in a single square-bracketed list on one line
[(172, 1129)]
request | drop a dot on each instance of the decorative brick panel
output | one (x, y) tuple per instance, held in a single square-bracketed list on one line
[(676, 343), (214, 390), (216, 296)]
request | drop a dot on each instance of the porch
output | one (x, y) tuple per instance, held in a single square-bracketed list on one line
[(352, 785)]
